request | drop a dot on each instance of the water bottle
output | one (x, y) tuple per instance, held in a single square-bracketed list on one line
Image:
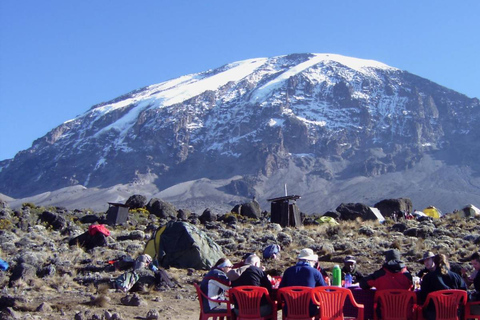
[(337, 276), (348, 280)]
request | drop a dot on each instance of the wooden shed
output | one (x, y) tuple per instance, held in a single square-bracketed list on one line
[(285, 213), (117, 213)]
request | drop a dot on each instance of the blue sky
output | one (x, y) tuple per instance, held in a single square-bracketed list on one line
[(58, 58)]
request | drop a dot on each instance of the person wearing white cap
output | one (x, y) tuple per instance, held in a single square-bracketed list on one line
[(215, 284), (304, 274)]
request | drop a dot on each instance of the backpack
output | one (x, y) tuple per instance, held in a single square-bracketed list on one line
[(126, 281), (3, 265), (269, 251)]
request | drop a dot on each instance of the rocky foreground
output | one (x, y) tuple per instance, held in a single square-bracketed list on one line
[(49, 279)]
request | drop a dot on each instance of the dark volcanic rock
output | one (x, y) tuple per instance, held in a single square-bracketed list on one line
[(161, 209), (136, 201), (56, 221), (389, 207), (352, 211), (208, 216), (250, 210)]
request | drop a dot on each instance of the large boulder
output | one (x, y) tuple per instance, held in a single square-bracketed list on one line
[(136, 201), (250, 210), (208, 216), (56, 221), (352, 211), (389, 207), (161, 209)]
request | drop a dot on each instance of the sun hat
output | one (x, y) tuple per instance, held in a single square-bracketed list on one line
[(427, 255), (307, 254), (350, 259)]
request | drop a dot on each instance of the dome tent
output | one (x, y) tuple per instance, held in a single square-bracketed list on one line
[(433, 212), (470, 211), (182, 245)]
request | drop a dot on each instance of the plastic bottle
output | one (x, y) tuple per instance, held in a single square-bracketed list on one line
[(336, 276), (348, 280)]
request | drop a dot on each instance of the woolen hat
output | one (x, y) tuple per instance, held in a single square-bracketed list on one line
[(392, 255), (307, 254), (427, 255)]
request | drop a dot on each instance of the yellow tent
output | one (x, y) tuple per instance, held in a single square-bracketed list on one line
[(433, 212)]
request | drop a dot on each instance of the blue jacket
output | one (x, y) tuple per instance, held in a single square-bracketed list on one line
[(302, 274)]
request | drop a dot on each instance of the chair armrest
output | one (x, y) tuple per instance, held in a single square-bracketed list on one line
[(216, 300)]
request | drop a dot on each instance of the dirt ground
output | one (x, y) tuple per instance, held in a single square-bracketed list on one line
[(178, 303)]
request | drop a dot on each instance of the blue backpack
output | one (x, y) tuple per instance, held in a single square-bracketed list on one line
[(269, 251), (3, 265)]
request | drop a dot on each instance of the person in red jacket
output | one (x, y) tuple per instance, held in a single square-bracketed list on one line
[(392, 275)]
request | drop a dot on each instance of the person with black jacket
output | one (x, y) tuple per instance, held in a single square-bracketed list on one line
[(475, 278), (440, 279), (253, 275)]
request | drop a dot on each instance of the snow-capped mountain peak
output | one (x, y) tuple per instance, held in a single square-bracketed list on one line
[(323, 117)]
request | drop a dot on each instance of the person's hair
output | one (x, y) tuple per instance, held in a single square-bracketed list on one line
[(253, 259), (441, 262), (219, 262), (475, 256)]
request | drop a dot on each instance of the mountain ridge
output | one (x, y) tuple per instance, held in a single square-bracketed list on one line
[(326, 117)]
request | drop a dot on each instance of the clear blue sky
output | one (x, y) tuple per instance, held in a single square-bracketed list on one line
[(58, 58)]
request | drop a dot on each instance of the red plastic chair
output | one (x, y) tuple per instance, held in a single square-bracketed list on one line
[(331, 301), (297, 299), (212, 314), (447, 303), (468, 310), (395, 304), (247, 301)]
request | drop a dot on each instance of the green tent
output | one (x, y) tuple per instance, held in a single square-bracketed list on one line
[(182, 245), (329, 220)]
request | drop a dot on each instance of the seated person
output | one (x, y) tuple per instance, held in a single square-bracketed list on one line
[(427, 260), (214, 284), (392, 275), (439, 279), (253, 275), (239, 267), (350, 266), (303, 274), (475, 277)]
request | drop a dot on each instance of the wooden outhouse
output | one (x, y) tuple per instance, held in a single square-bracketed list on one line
[(285, 213), (117, 213)]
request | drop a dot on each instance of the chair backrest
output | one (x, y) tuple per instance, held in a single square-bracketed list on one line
[(297, 299), (247, 300), (447, 302), (218, 315), (200, 296), (395, 304), (331, 301)]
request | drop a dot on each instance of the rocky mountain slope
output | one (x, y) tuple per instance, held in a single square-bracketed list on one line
[(333, 128), (50, 279)]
